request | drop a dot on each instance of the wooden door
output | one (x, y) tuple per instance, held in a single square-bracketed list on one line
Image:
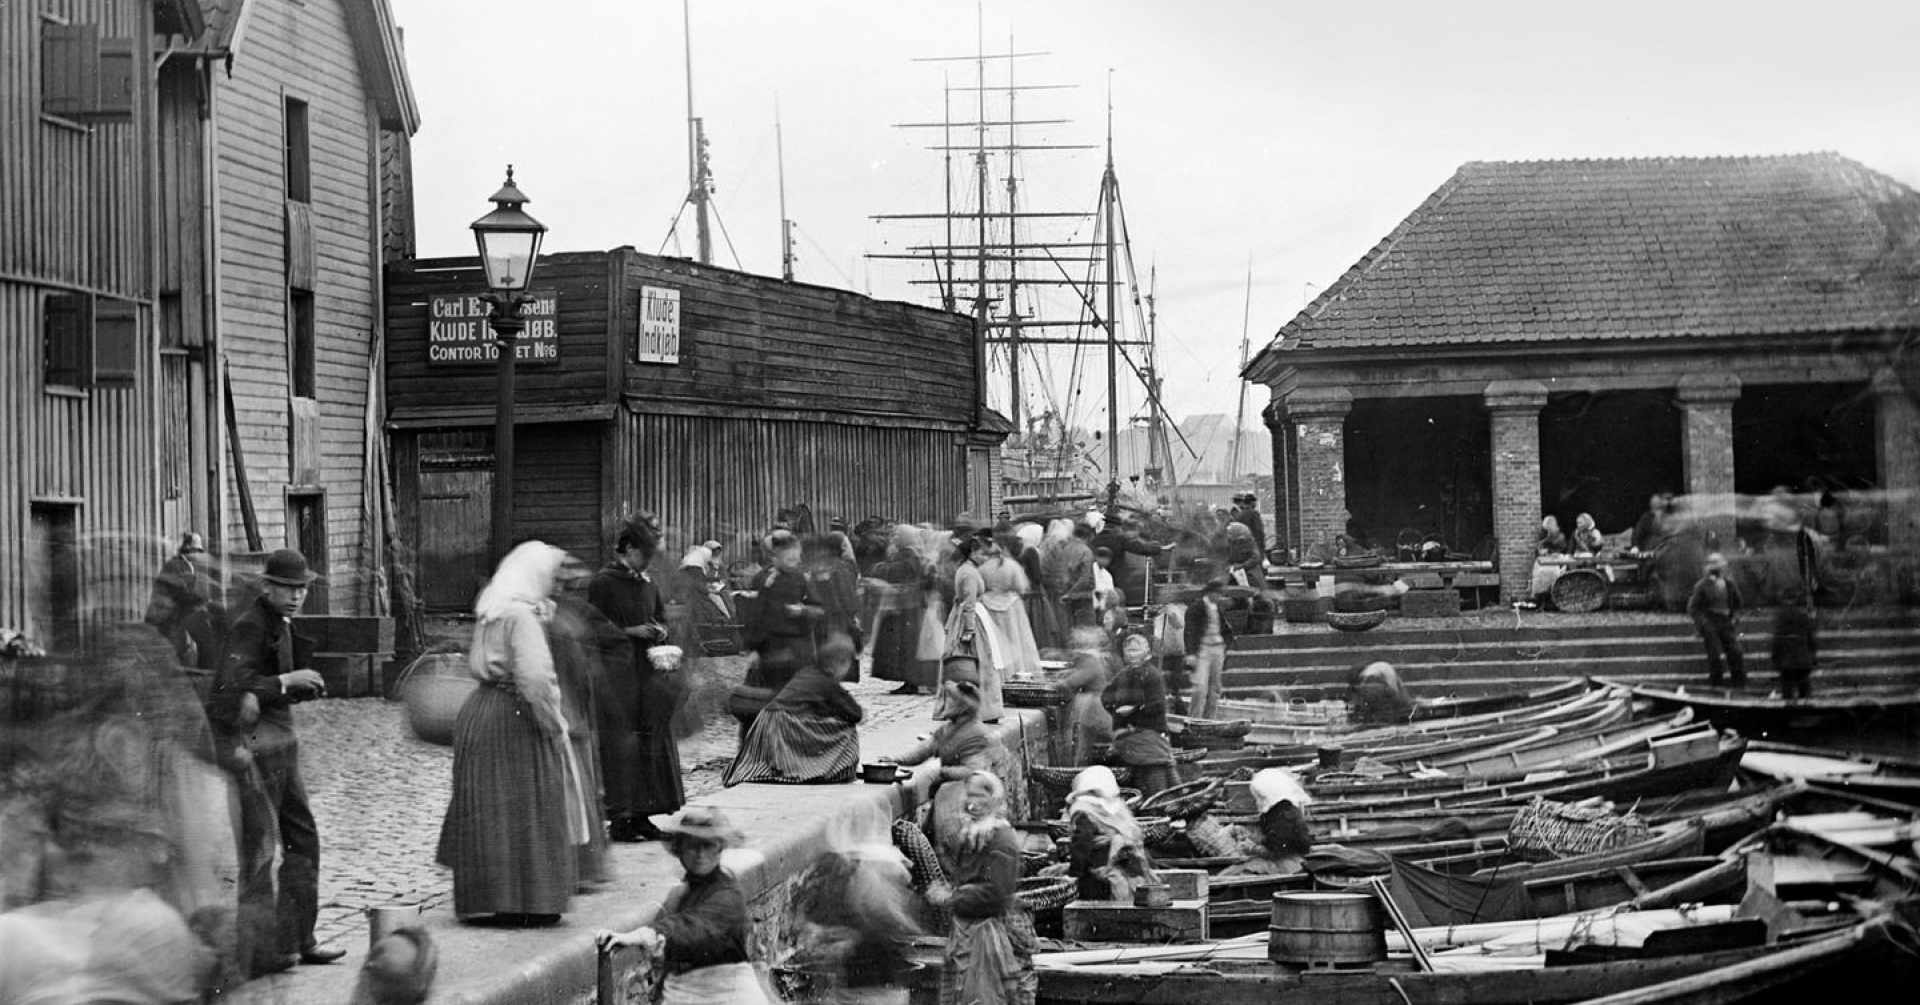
[(456, 520), (309, 513)]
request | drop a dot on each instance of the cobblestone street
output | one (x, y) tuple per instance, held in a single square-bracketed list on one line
[(379, 793)]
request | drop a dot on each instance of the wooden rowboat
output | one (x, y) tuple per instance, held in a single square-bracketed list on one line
[(1757, 713)]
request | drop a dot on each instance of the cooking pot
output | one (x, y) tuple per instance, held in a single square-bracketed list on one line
[(884, 774)]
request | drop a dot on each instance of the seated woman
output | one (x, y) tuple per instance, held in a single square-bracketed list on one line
[(859, 923), (809, 732), (700, 935), (1375, 696), (1279, 843), (1089, 726), (1587, 539), (963, 746), (1137, 698), (1549, 543), (1106, 853)]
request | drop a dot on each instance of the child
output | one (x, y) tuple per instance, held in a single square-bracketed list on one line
[(1794, 651)]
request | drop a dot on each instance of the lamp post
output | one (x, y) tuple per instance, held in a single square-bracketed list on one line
[(509, 243)]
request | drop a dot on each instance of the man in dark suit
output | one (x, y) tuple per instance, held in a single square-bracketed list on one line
[(1207, 636), (1247, 511), (254, 691)]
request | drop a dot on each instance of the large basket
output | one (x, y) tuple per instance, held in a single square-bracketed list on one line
[(1183, 802), (433, 688), (1213, 839), (1060, 779), (1364, 560), (721, 638), (1544, 830), (1044, 893), (1031, 694), (1356, 621), (1579, 591)]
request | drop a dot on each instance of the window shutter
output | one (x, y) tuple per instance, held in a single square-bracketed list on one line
[(66, 323), (116, 343), (117, 83), (69, 68)]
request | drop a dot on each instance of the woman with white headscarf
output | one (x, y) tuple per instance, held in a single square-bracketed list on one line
[(519, 807), (1106, 854)]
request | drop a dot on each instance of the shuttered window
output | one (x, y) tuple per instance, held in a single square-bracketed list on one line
[(299, 164), (302, 354), (83, 76), (90, 341)]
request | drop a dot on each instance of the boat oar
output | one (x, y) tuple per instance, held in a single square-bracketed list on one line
[(1420, 960)]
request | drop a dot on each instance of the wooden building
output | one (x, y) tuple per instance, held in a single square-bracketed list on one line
[(711, 397), (195, 206), (1563, 336)]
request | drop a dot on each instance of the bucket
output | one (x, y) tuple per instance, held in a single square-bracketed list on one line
[(1327, 930)]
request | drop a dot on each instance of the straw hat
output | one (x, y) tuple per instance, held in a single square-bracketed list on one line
[(703, 822)]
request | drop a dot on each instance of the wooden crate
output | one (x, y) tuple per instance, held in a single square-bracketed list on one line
[(1184, 884), (1111, 921), (1305, 610), (1430, 604)]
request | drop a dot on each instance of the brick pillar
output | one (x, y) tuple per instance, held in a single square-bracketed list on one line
[(1707, 446), (1513, 418), (1286, 507), (1897, 453), (1319, 416)]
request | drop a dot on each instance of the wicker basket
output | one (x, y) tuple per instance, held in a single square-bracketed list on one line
[(1356, 621), (720, 638), (1031, 694), (1360, 561), (1060, 779), (1184, 802), (433, 688), (1213, 839), (1044, 893), (1544, 830), (1155, 830), (1579, 591)]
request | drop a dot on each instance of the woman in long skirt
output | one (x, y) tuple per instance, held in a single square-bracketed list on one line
[(518, 813), (1138, 700), (989, 957), (809, 732), (971, 632), (1004, 600), (896, 640)]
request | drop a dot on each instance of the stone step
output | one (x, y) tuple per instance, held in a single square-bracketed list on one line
[(1531, 647), (1886, 664)]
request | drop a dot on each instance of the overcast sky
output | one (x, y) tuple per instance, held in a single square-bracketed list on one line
[(1284, 137)]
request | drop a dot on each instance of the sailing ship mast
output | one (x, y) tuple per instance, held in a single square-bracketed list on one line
[(1240, 415), (699, 175)]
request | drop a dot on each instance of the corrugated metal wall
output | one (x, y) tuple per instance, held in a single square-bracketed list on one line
[(726, 478)]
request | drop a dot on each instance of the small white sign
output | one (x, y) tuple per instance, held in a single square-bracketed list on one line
[(659, 340)]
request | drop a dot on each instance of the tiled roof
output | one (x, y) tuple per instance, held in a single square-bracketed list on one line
[(1541, 251)]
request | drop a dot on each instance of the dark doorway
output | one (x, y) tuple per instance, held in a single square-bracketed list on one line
[(1606, 453), (307, 515), (1420, 465), (456, 524), (54, 574), (1803, 435)]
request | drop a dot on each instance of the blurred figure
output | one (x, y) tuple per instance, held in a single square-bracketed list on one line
[(809, 732), (518, 813), (1137, 698), (1376, 697), (1106, 853), (253, 696), (125, 947), (1066, 570), (1548, 543), (587, 650), (989, 957), (859, 919), (399, 970), (1715, 607), (906, 581), (638, 756), (1795, 646), (1247, 511), (1089, 725), (1004, 600), (178, 603), (780, 627), (1651, 531), (1207, 638), (833, 581), (700, 936)]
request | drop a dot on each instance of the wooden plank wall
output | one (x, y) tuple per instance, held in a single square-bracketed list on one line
[(581, 376), (726, 478), (303, 51), (556, 486), (73, 218), (749, 340)]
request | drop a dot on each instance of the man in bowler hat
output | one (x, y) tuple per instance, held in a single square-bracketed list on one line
[(254, 691)]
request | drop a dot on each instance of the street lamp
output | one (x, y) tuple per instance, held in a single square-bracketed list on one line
[(509, 243)]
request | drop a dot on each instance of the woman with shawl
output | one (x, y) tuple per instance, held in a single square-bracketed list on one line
[(1587, 539), (809, 732), (1106, 853), (1042, 610), (963, 746), (989, 956), (833, 581), (1007, 590), (1279, 842), (518, 811), (906, 580), (1138, 700), (973, 632)]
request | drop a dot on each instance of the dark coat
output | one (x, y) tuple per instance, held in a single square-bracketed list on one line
[(704, 922), (1196, 624)]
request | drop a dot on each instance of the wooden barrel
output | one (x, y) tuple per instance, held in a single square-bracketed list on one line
[(1327, 930)]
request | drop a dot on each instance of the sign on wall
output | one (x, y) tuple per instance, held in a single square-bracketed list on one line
[(659, 340), (457, 331)]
